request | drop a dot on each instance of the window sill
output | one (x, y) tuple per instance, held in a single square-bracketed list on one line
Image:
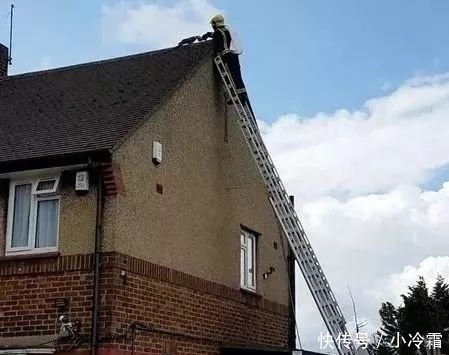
[(52, 254), (250, 292)]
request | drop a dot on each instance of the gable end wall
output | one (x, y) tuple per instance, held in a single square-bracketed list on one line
[(210, 188)]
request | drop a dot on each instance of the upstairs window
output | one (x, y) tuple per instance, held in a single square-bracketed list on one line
[(33, 215), (248, 260)]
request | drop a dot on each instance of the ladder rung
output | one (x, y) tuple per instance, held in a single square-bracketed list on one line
[(287, 217)]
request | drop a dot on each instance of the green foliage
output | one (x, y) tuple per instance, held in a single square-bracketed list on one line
[(420, 312)]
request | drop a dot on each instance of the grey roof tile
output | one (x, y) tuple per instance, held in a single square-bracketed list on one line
[(88, 107)]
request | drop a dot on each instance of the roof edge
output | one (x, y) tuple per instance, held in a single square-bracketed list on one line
[(164, 99), (55, 161), (95, 62)]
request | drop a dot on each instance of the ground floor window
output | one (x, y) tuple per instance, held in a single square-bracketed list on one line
[(33, 215)]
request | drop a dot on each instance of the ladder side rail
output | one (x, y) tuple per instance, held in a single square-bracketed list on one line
[(333, 328), (269, 167), (295, 250), (285, 200), (226, 77), (330, 311), (279, 181), (310, 266), (258, 143), (299, 226)]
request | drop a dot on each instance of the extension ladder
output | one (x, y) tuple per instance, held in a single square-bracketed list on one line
[(289, 221)]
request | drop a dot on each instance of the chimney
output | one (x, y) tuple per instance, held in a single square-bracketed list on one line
[(3, 61)]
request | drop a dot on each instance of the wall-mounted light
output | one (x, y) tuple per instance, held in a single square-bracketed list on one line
[(124, 277), (269, 272)]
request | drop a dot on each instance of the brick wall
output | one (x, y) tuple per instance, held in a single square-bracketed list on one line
[(188, 315), (29, 289), (192, 308)]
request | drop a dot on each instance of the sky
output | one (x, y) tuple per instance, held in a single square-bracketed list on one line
[(352, 98)]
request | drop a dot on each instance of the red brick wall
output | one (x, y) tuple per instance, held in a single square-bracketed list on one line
[(200, 310), (28, 290), (189, 315)]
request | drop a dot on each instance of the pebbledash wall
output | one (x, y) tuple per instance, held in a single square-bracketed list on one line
[(210, 188), (163, 265)]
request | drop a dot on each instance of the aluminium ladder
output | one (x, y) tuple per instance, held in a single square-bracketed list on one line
[(289, 221)]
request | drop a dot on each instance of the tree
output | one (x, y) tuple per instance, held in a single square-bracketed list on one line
[(388, 330), (440, 307), (440, 299), (415, 316), (420, 312)]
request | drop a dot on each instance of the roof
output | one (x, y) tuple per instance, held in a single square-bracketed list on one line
[(88, 107)]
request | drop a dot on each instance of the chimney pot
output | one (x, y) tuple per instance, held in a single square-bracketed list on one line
[(3, 61)]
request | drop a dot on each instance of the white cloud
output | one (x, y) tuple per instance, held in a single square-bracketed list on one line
[(356, 175), (155, 24), (400, 138), (378, 244), (429, 268)]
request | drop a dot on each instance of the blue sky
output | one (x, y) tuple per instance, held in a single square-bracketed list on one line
[(300, 56), (353, 98)]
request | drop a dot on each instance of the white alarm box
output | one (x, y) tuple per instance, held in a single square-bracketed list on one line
[(82, 181), (157, 152)]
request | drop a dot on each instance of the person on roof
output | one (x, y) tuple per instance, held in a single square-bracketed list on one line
[(225, 45)]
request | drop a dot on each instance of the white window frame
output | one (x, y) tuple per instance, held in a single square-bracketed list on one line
[(36, 197), (246, 252), (34, 190), (27, 351)]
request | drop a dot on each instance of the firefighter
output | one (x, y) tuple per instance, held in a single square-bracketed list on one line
[(224, 45)]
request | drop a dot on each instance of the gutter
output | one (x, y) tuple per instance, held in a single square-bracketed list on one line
[(45, 162), (292, 304), (96, 168), (291, 263)]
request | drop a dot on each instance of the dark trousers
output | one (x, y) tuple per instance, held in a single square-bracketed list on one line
[(233, 63)]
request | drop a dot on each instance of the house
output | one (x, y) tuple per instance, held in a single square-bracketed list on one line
[(132, 216)]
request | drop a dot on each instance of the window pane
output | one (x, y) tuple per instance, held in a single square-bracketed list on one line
[(47, 223), (46, 185), (242, 267), (21, 218), (251, 261)]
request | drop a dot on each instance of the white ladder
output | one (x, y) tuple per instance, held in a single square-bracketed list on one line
[(289, 221)]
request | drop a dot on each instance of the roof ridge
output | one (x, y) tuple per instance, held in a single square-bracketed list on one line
[(96, 62), (89, 107)]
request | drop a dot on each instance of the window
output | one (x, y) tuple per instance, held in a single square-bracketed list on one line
[(33, 215), (46, 186), (248, 260)]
